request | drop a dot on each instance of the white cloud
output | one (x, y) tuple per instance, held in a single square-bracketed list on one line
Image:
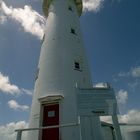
[(27, 92), (107, 119), (132, 117), (30, 20), (7, 132), (122, 96), (14, 105), (134, 85), (92, 5), (136, 72), (131, 78), (6, 86), (124, 74), (3, 19)]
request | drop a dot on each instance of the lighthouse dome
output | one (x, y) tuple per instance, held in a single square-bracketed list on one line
[(46, 4)]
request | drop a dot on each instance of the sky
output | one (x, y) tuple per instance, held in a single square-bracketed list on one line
[(111, 35)]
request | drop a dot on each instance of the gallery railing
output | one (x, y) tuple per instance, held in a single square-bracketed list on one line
[(126, 129), (20, 131)]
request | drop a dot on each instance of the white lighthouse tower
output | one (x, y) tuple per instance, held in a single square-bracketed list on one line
[(62, 70)]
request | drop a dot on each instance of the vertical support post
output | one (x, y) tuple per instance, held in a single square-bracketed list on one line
[(79, 125), (19, 134), (116, 127)]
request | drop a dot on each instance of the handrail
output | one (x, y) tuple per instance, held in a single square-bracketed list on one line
[(48, 127), (129, 124), (19, 131)]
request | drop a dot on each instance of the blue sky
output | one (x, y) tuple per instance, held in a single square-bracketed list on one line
[(111, 35)]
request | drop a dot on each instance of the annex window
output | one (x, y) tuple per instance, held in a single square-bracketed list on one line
[(73, 31)]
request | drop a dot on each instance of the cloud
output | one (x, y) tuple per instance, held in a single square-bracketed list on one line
[(131, 117), (31, 21), (3, 19), (14, 105), (6, 86), (7, 132), (135, 72), (92, 5), (130, 78), (122, 96), (27, 92), (124, 74), (107, 119)]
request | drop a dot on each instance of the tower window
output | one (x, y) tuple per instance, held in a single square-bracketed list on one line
[(77, 65), (73, 31), (70, 8)]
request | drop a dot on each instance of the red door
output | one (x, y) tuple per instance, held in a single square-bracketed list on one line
[(50, 118)]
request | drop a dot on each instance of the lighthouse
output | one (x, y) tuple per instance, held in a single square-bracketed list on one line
[(62, 77)]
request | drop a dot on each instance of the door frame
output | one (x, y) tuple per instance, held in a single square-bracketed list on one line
[(41, 114)]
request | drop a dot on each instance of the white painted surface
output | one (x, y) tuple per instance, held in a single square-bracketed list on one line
[(58, 77), (100, 101), (91, 128), (57, 74), (108, 133), (132, 135)]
